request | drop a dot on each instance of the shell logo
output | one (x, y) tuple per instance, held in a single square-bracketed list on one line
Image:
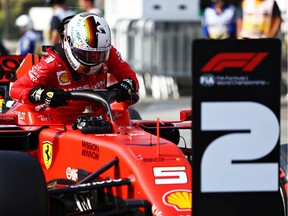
[(64, 78), (181, 199)]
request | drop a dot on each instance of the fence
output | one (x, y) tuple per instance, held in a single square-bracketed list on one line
[(160, 52)]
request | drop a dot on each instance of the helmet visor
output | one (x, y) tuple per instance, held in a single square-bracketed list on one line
[(90, 57)]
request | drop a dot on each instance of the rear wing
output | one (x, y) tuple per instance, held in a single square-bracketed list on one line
[(8, 67), (26, 64), (12, 67)]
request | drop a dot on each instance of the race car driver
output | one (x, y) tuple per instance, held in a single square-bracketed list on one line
[(82, 60)]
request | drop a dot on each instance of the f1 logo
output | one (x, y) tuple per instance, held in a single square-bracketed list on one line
[(248, 61)]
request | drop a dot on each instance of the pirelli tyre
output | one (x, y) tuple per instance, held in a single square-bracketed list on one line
[(23, 185), (134, 114)]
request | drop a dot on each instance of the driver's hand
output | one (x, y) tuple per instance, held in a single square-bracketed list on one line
[(51, 97), (125, 88)]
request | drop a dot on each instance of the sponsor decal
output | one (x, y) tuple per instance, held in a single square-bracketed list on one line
[(157, 160), (21, 115), (85, 15), (44, 118), (100, 84), (154, 159), (47, 151), (180, 199), (104, 68), (247, 61), (90, 150), (119, 56), (7, 119), (37, 95), (72, 63), (117, 114), (63, 78), (79, 88), (49, 59), (72, 174), (104, 135), (33, 74)]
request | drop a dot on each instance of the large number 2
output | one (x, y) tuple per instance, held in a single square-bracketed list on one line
[(218, 172)]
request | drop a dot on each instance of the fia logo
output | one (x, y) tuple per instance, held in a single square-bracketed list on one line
[(207, 80)]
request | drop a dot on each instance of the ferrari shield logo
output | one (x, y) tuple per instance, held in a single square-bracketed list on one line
[(47, 153)]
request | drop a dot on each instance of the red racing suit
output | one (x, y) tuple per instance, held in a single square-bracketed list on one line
[(52, 72)]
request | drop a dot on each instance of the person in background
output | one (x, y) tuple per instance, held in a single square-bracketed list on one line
[(81, 60), (3, 49), (258, 19), (219, 20), (29, 40), (88, 6), (60, 11)]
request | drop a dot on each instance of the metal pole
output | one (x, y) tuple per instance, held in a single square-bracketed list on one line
[(7, 19)]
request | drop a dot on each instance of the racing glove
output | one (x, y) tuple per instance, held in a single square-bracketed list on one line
[(50, 97), (125, 88)]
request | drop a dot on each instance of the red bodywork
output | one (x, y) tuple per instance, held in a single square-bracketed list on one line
[(158, 169)]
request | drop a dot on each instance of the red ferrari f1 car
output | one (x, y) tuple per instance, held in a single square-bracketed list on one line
[(114, 163), (109, 164)]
